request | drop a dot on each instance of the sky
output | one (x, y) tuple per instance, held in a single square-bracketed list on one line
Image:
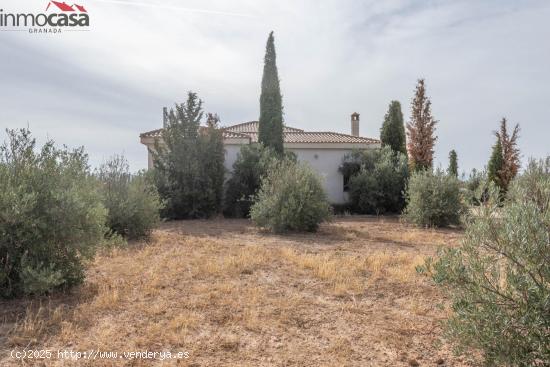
[(482, 60)]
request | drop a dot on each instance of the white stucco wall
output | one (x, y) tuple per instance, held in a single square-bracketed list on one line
[(326, 162), (231, 152)]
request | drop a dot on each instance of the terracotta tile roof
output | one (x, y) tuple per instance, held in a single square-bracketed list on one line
[(319, 137), (231, 134), (253, 127), (151, 134), (228, 134), (291, 135)]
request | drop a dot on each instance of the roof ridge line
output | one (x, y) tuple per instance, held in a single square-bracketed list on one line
[(330, 132)]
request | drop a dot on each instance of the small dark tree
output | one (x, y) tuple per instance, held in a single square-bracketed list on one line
[(496, 165), (392, 132), (271, 106), (189, 163), (212, 151), (453, 163), (249, 168), (420, 130)]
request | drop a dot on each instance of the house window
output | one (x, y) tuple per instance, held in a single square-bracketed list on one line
[(346, 181), (348, 169)]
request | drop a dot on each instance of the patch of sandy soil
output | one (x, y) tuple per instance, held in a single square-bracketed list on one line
[(231, 295)]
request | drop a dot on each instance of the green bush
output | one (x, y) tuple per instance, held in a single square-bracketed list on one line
[(249, 168), (378, 185), (291, 198), (51, 216), (252, 164), (189, 171), (499, 279), (434, 199), (475, 187), (132, 201)]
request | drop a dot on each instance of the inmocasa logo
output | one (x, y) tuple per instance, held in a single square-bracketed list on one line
[(58, 16)]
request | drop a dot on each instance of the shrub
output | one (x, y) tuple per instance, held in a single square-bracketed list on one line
[(433, 199), (475, 187), (132, 201), (378, 186), (189, 171), (51, 216), (291, 198), (499, 279), (249, 168)]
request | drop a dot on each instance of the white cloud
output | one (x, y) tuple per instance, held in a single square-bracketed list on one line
[(482, 61)]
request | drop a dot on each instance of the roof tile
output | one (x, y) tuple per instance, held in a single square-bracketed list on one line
[(290, 134)]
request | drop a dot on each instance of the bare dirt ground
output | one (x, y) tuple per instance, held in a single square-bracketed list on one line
[(230, 295)]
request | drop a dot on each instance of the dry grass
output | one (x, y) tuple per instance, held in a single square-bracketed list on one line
[(232, 296)]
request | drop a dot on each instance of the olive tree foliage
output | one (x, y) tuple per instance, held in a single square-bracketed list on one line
[(132, 200), (51, 215), (377, 180), (434, 199), (475, 187), (188, 163), (499, 278), (291, 198)]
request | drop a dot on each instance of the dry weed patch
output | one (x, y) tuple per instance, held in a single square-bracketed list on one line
[(344, 273), (36, 324), (233, 296), (227, 261), (398, 267), (349, 273)]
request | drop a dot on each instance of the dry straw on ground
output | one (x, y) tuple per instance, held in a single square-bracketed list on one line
[(232, 296)]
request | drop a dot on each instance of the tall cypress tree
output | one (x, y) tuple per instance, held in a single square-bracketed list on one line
[(392, 132), (420, 130), (271, 106), (453, 163)]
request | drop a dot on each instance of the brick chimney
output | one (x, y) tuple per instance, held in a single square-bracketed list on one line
[(355, 124)]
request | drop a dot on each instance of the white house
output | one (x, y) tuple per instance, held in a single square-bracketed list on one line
[(323, 150)]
